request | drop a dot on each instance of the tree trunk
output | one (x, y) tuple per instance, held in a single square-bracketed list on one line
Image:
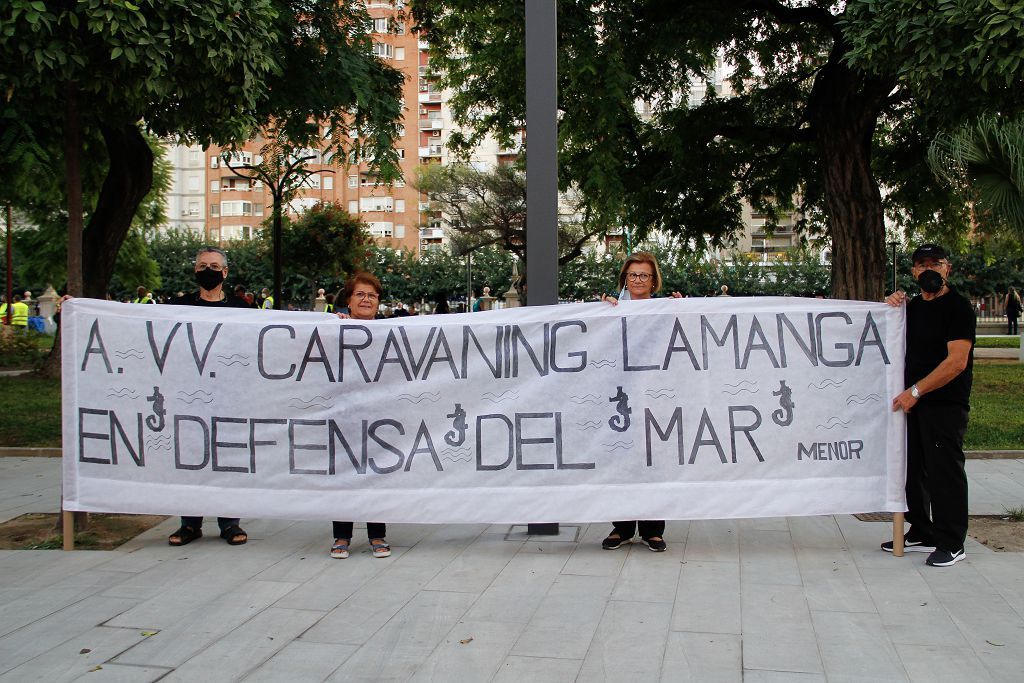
[(129, 178), (843, 111)]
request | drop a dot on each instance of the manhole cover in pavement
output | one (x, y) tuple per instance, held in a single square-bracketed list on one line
[(874, 516)]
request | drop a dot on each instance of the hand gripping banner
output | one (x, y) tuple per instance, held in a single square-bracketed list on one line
[(658, 409)]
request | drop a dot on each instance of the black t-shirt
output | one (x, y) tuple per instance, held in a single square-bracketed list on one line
[(931, 325), (193, 299)]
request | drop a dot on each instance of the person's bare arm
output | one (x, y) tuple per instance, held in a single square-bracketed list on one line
[(957, 353)]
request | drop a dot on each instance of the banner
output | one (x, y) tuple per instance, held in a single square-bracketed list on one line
[(660, 409)]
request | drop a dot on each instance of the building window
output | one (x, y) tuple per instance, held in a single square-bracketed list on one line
[(380, 229), (399, 54), (214, 162), (193, 208), (353, 207), (214, 209), (400, 183), (236, 208), (376, 204), (312, 181), (400, 28), (328, 181), (246, 232), (353, 181), (399, 231), (193, 183), (380, 25), (193, 157), (383, 50), (401, 153), (214, 186), (399, 206), (258, 209)]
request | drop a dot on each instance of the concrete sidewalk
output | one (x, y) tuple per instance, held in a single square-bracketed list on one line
[(779, 599)]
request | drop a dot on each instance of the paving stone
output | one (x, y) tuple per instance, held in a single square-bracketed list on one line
[(702, 658), (74, 658), (537, 670), (301, 660), (708, 598), (637, 628), (855, 647)]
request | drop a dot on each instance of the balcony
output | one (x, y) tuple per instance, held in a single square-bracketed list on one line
[(431, 124), (424, 206), (426, 97), (422, 45), (430, 151), (431, 234)]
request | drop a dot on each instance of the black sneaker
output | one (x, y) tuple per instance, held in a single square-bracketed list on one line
[(658, 546), (613, 542), (944, 558), (910, 545)]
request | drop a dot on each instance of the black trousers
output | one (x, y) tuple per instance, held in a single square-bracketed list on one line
[(647, 528), (222, 522), (936, 480), (373, 530), (1011, 326)]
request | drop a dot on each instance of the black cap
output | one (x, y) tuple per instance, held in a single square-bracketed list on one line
[(932, 251)]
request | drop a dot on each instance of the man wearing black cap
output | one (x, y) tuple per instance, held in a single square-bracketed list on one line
[(940, 355)]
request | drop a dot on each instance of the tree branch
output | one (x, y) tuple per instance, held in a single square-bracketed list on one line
[(796, 16)]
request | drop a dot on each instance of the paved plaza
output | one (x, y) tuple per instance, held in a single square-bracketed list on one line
[(779, 599)]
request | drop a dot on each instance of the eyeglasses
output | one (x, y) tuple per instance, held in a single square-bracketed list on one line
[(365, 296), (638, 277), (931, 264), (215, 267)]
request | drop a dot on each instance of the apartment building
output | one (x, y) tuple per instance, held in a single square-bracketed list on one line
[(186, 197)]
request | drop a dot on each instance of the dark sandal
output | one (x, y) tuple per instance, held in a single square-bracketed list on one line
[(230, 533), (185, 535)]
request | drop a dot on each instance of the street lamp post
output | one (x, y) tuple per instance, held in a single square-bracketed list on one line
[(892, 248)]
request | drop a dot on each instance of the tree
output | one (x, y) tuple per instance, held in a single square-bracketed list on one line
[(816, 100), (984, 162), (210, 71), (322, 246), (488, 208)]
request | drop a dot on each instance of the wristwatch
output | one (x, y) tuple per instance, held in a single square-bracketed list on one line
[(914, 391)]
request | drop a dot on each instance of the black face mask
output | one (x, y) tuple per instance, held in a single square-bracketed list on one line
[(930, 282), (209, 279)]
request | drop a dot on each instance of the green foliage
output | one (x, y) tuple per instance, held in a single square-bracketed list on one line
[(23, 349), (323, 246), (997, 407), (829, 102), (984, 161)]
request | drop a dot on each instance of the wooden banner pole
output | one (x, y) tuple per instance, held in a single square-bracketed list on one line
[(897, 534), (67, 524)]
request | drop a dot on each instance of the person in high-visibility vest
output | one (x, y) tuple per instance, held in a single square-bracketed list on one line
[(329, 306), (19, 313), (3, 310), (143, 296), (268, 301)]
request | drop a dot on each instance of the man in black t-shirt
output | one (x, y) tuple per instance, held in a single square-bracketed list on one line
[(939, 361), (211, 269)]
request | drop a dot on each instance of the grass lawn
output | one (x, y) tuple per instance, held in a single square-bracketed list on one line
[(997, 407), (998, 343), (30, 409)]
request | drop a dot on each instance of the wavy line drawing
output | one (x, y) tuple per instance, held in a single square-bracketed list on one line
[(617, 445), (123, 392), (746, 382), (739, 391), (589, 398), (467, 458), (160, 443), (603, 363), (318, 397), (589, 424), (325, 406), (861, 400), (498, 398), (433, 397), (197, 395), (827, 382), (458, 454), (834, 422), (130, 353), (660, 393), (158, 438), (234, 362), (234, 355)]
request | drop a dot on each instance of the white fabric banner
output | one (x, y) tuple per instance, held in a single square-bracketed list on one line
[(659, 409)]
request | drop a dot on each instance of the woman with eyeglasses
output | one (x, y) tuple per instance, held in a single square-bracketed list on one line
[(361, 296), (639, 278)]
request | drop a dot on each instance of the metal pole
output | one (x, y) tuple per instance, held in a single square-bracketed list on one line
[(542, 165), (10, 266), (892, 246), (469, 281)]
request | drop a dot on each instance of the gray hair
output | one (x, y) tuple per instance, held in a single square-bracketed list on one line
[(215, 250)]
